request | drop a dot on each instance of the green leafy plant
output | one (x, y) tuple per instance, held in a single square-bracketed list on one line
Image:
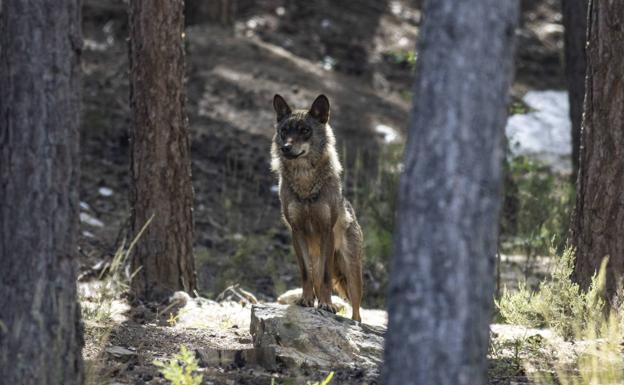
[(508, 357), (559, 303), (325, 381), (581, 316), (599, 363), (181, 369), (405, 59), (518, 108)]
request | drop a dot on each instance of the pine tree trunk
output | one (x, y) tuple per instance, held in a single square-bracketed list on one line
[(599, 219), (442, 279), (161, 165), (40, 332), (575, 21)]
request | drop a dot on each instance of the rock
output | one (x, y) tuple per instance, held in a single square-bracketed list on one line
[(311, 338), (121, 353), (221, 357), (180, 298)]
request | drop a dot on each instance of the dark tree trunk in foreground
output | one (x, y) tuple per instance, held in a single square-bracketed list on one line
[(599, 220), (442, 280), (161, 163), (575, 21), (40, 332)]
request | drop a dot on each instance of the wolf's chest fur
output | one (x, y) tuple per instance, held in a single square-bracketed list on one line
[(304, 179)]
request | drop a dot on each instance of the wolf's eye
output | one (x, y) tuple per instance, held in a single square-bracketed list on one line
[(306, 130), (282, 134)]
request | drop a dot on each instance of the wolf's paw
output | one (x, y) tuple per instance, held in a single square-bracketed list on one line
[(305, 302), (330, 307)]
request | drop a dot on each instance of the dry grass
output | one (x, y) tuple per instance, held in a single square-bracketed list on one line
[(100, 305)]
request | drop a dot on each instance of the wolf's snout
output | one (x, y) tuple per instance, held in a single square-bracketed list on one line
[(286, 148)]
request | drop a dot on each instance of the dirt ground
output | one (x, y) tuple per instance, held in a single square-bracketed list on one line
[(359, 53)]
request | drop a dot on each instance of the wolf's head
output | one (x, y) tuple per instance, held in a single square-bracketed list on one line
[(302, 134)]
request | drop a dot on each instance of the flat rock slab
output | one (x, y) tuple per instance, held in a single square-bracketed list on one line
[(373, 317), (310, 338), (121, 353)]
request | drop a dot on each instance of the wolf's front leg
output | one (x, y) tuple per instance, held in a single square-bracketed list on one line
[(301, 251), (326, 270)]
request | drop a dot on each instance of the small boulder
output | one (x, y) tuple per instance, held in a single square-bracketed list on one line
[(121, 353), (221, 357), (301, 337)]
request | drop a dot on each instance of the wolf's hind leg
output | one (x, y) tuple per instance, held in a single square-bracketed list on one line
[(348, 281)]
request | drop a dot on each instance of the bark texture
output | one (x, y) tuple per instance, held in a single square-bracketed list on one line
[(599, 220), (40, 331), (161, 164), (442, 280), (575, 22)]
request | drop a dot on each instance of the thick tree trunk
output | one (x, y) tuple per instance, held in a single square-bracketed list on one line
[(575, 21), (40, 331), (161, 164), (442, 280), (599, 220)]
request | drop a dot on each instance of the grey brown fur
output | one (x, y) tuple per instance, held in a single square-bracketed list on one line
[(326, 235)]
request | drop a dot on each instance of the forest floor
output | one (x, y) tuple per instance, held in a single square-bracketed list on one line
[(358, 53)]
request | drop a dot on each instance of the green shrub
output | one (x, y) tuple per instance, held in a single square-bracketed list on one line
[(519, 308), (405, 59), (180, 370), (599, 363), (575, 314), (559, 303)]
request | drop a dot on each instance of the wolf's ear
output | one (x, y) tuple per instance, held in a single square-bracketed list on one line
[(320, 109), (281, 107)]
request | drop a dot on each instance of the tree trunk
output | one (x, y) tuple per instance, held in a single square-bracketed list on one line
[(599, 219), (575, 21), (40, 332), (442, 281), (161, 164)]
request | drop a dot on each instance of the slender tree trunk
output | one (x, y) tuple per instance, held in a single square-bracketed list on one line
[(575, 22), (161, 164), (40, 331), (599, 220), (442, 280)]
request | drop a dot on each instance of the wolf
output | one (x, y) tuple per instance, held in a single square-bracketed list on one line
[(326, 235)]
